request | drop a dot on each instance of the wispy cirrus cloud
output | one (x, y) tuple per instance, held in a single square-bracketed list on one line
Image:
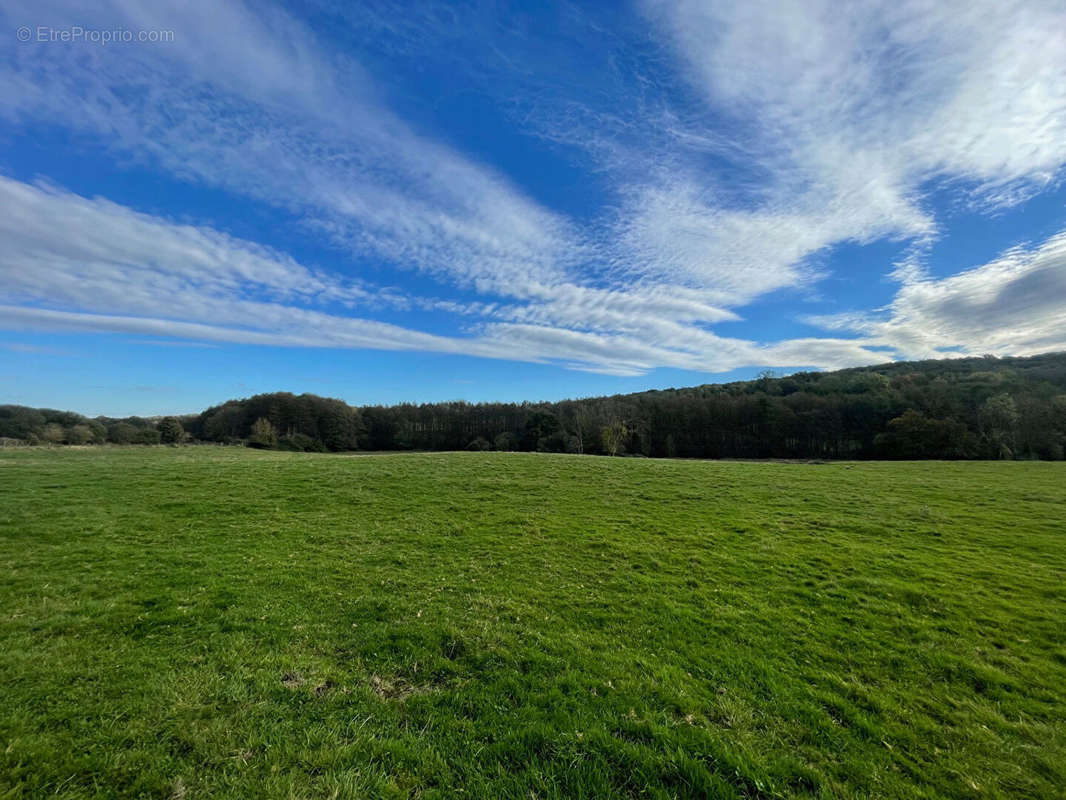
[(31, 349), (120, 271), (77, 252), (80, 263), (741, 140), (256, 104), (852, 111)]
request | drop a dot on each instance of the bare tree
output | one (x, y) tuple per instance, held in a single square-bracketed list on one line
[(263, 433), (614, 436)]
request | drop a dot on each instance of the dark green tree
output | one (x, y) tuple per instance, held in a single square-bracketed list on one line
[(122, 433), (148, 436)]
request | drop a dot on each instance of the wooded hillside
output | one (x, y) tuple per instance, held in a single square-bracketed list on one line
[(952, 408)]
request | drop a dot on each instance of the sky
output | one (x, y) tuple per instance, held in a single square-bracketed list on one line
[(389, 202)]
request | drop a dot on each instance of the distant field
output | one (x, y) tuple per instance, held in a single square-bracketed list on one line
[(227, 623)]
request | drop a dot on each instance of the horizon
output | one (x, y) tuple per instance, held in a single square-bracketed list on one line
[(773, 375), (387, 204), (538, 401)]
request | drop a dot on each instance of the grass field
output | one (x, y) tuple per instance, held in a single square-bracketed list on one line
[(227, 623)]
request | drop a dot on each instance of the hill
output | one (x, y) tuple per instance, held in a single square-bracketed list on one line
[(965, 408)]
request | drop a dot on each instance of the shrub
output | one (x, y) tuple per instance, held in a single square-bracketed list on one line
[(506, 442), (147, 436), (301, 443), (170, 430)]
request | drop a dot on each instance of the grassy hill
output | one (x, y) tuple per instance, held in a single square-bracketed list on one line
[(231, 623)]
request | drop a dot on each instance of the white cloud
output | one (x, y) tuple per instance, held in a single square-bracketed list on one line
[(255, 104), (90, 264), (1013, 305), (78, 264), (94, 254), (740, 140), (852, 108)]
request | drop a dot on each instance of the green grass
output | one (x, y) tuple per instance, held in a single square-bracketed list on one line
[(225, 623)]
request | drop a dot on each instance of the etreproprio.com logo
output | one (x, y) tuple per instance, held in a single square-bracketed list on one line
[(76, 34)]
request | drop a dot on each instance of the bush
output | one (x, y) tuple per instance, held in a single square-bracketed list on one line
[(557, 442), (479, 444), (147, 436), (170, 430), (301, 443), (506, 442)]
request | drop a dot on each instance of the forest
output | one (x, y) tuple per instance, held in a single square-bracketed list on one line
[(959, 408)]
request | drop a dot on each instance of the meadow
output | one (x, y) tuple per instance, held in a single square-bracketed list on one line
[(205, 622)]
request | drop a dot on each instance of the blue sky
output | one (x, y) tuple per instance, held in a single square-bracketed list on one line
[(414, 201)]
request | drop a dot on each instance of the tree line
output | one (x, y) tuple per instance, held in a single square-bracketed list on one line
[(965, 408)]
